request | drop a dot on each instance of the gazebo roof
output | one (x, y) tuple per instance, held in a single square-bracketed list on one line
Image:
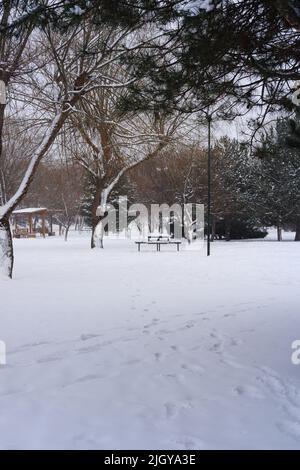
[(30, 210)]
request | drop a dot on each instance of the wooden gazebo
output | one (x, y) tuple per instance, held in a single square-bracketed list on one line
[(29, 230)]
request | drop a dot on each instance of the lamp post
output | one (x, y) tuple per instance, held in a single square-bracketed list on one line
[(209, 119)]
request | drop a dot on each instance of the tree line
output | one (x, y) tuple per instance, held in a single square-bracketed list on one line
[(251, 192)]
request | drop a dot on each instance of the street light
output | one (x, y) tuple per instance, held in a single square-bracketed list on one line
[(209, 119)]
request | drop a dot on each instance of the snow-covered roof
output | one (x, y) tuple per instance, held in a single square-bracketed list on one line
[(30, 210)]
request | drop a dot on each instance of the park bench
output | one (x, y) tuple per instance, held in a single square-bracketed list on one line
[(23, 233), (158, 240)]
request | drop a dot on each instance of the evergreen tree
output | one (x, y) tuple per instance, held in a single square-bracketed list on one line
[(273, 191), (232, 168)]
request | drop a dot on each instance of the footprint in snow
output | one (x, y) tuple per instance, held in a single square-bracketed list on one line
[(190, 324), (171, 410), (193, 368), (187, 326), (188, 443), (157, 356), (49, 359), (94, 348), (229, 361), (29, 346), (86, 337), (88, 377), (235, 342), (288, 396), (84, 378), (216, 347), (164, 332), (248, 391)]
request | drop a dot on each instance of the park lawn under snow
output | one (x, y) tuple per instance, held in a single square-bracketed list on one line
[(119, 349)]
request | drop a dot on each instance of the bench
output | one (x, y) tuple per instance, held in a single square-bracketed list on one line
[(158, 240), (23, 233)]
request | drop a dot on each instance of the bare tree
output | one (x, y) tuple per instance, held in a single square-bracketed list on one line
[(109, 142), (51, 74)]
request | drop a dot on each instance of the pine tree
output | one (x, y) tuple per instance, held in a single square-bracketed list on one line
[(274, 183), (233, 217)]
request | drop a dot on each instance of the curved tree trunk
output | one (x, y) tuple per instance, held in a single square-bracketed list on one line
[(93, 236), (6, 248), (101, 230), (100, 201), (95, 218), (67, 232), (97, 233)]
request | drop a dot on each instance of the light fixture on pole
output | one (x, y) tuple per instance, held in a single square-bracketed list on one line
[(209, 119)]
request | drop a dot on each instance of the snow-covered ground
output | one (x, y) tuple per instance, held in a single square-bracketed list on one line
[(119, 349)]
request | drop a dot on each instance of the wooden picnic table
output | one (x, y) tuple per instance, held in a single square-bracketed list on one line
[(158, 240)]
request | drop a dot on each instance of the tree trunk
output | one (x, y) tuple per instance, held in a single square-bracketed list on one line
[(279, 232), (297, 236), (6, 248), (99, 200), (101, 235), (67, 232), (227, 229), (93, 236), (97, 240), (95, 218)]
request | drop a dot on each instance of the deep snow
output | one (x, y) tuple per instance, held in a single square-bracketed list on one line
[(119, 349)]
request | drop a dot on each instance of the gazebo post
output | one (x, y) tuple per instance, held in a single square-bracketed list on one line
[(43, 225), (30, 223)]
